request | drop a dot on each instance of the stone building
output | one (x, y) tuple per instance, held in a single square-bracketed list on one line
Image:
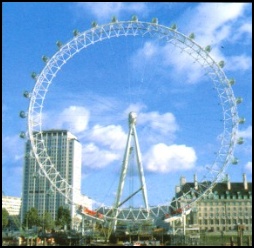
[(224, 208)]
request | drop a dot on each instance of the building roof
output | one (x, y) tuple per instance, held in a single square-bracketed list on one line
[(219, 188), (235, 188)]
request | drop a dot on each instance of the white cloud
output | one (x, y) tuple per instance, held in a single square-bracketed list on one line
[(248, 167), (106, 10), (243, 33), (12, 149), (107, 143), (241, 62), (247, 133), (95, 157), (162, 123), (111, 136), (246, 28), (153, 127), (225, 25), (149, 50), (183, 64), (163, 57), (163, 158), (137, 108), (74, 118), (216, 29), (210, 27)]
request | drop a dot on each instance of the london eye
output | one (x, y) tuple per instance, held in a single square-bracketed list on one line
[(150, 32)]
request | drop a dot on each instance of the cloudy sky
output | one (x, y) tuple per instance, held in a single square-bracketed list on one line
[(179, 115)]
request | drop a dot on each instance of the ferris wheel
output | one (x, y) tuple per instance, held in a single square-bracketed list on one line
[(83, 41)]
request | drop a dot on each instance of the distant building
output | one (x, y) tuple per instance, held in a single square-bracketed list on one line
[(226, 206), (11, 204), (65, 152)]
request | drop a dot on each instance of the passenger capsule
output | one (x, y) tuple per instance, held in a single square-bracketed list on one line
[(231, 81), (221, 64), (114, 19), (241, 120), (94, 24), (59, 44), (75, 32), (45, 59), (34, 75), (22, 114), (155, 20), (238, 100), (134, 18), (208, 48), (240, 141), (174, 27), (26, 94), (22, 135), (234, 161)]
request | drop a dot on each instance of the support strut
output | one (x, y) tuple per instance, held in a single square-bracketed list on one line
[(132, 134)]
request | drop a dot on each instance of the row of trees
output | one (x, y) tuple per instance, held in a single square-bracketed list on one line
[(5, 218), (46, 222)]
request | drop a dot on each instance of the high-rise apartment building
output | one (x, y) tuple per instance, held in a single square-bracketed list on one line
[(65, 151)]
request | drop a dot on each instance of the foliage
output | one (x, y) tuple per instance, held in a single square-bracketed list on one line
[(5, 218), (48, 221), (32, 218), (63, 217)]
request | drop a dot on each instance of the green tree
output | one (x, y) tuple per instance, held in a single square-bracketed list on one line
[(48, 221), (5, 218), (63, 217), (32, 218)]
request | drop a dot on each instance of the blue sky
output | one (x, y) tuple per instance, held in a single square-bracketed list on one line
[(178, 113)]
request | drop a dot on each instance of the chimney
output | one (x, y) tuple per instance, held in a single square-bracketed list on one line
[(245, 184), (182, 181), (195, 182), (228, 183), (177, 189)]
